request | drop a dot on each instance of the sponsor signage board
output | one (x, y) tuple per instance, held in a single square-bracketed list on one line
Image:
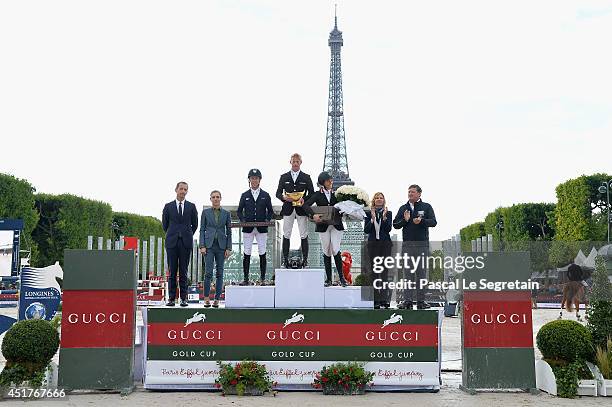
[(183, 345), (40, 293), (98, 320), (497, 326)]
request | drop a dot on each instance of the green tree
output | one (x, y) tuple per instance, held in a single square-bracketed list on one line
[(17, 202), (65, 222)]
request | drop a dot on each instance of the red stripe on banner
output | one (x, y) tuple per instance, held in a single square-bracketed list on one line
[(497, 324), (98, 319), (500, 296), (239, 334)]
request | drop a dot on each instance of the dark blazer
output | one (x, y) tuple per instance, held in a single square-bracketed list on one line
[(177, 226), (385, 226), (412, 232), (250, 210), (320, 199), (210, 229), (286, 184)]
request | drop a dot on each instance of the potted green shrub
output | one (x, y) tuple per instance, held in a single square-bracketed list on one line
[(246, 378), (565, 369), (28, 348), (341, 378)]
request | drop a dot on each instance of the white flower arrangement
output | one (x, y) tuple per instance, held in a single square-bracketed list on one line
[(352, 193), (351, 201)]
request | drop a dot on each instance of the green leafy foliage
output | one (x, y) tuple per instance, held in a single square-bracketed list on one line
[(242, 377), (139, 226), (343, 378), (28, 347), (17, 202), (65, 222), (603, 358), (602, 288), (566, 375), (579, 207), (565, 340), (33, 340), (599, 321)]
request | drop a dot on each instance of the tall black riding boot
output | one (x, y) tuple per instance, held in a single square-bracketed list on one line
[(246, 265), (286, 244), (305, 253), (328, 270), (262, 267), (338, 261)]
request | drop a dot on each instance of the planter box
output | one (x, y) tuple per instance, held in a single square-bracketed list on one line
[(604, 386), (546, 381)]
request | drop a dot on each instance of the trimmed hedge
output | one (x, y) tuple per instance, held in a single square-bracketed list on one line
[(565, 340), (31, 341), (137, 226), (17, 202), (65, 222)]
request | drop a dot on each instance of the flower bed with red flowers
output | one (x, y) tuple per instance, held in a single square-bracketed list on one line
[(246, 378), (343, 378)]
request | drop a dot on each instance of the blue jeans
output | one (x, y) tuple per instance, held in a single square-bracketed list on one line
[(215, 255)]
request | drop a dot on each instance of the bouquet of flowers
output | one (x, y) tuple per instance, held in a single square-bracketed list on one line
[(343, 378), (351, 201)]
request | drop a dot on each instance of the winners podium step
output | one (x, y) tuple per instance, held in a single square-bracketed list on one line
[(299, 288), (249, 296), (296, 288)]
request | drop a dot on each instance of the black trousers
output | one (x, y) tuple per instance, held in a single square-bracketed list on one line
[(178, 261), (415, 249)]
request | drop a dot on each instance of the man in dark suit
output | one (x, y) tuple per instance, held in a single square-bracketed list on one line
[(179, 221), (255, 206), (415, 218), (294, 181)]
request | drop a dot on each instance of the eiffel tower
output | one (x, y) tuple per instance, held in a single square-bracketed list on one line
[(335, 161)]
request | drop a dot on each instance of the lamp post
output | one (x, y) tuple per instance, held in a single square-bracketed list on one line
[(605, 189)]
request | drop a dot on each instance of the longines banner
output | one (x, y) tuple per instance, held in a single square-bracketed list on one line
[(402, 348), (98, 320)]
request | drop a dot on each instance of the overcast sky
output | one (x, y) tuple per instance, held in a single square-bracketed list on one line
[(482, 103)]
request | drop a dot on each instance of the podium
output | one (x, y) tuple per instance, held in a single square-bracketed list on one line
[(249, 296), (346, 297), (299, 288)]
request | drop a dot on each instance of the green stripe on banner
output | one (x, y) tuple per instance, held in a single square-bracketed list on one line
[(281, 316), (99, 270), (294, 353), (96, 368), (499, 368)]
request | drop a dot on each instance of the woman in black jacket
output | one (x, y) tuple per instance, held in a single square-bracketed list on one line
[(378, 225), (329, 233)]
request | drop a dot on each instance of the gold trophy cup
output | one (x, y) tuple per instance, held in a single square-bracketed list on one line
[(296, 197)]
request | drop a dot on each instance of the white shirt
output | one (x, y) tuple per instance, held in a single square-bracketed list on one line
[(177, 206), (255, 193), (327, 195), (294, 175)]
